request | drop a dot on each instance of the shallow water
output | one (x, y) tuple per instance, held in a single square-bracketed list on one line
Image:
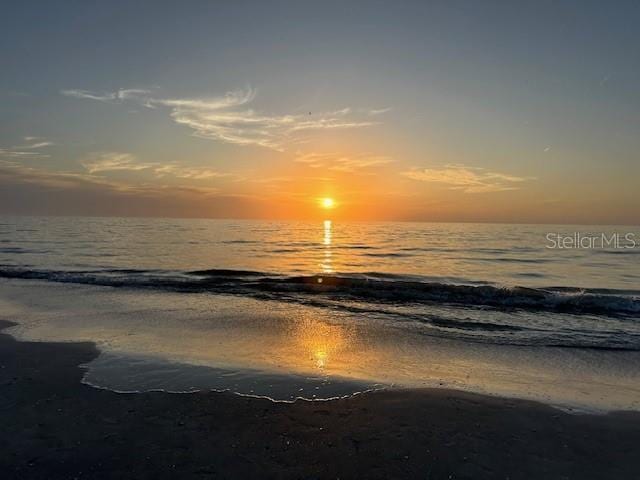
[(161, 340), (289, 310)]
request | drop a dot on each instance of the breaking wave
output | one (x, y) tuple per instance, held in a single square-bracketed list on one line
[(370, 287)]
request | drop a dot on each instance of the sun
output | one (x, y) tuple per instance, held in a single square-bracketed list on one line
[(327, 203)]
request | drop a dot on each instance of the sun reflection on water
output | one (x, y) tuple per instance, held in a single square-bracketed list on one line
[(327, 261)]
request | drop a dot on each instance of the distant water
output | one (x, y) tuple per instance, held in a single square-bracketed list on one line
[(505, 255), (496, 291)]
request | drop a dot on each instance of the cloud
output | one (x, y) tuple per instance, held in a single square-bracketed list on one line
[(36, 145), (195, 173), (13, 153), (228, 119), (116, 161), (105, 97), (33, 191), (122, 94), (113, 161), (379, 111), (26, 151), (23, 174), (467, 179), (342, 163)]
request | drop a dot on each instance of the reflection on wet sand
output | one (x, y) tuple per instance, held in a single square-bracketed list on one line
[(319, 342)]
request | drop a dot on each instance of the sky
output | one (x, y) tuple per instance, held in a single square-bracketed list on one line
[(524, 112)]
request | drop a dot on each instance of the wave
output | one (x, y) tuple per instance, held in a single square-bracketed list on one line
[(221, 272), (21, 250), (372, 287), (630, 251)]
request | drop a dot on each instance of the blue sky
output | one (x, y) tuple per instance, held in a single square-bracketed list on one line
[(473, 111)]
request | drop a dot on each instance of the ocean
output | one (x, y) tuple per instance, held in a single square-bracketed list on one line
[(325, 309)]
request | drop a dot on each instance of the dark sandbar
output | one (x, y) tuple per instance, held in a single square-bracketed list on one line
[(55, 427)]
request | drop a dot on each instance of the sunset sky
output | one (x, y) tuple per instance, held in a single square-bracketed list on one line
[(436, 111)]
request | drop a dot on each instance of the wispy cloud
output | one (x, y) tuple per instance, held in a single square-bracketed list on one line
[(113, 161), (116, 161), (13, 153), (342, 163), (30, 190), (16, 173), (34, 143), (227, 118), (89, 95), (195, 173), (467, 179), (27, 151), (42, 177), (379, 111), (122, 94)]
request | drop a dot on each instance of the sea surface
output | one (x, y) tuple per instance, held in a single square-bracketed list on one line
[(319, 310)]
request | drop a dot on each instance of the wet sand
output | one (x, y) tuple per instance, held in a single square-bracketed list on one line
[(53, 426)]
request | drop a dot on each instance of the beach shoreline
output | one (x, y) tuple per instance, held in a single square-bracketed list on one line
[(54, 426)]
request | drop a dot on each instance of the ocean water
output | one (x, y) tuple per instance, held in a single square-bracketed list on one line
[(325, 309)]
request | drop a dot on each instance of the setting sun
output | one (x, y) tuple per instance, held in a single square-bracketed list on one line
[(327, 203)]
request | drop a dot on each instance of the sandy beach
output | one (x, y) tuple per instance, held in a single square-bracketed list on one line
[(56, 427)]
